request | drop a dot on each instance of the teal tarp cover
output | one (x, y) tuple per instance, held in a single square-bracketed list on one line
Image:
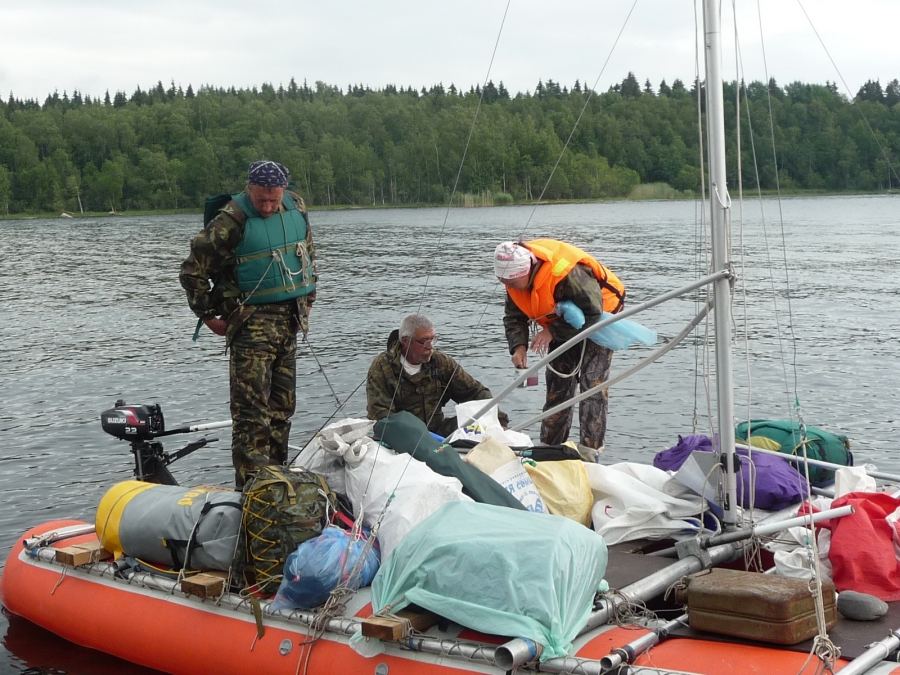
[(498, 571), (404, 432), (820, 445)]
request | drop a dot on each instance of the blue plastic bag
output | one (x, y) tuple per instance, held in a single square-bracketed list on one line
[(319, 565), (618, 336)]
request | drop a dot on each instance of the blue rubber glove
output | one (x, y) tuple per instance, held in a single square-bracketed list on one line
[(618, 336), (570, 313)]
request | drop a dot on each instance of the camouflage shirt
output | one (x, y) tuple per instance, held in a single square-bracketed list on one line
[(424, 394), (580, 286), (212, 260)]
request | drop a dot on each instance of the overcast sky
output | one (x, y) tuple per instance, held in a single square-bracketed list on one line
[(99, 45)]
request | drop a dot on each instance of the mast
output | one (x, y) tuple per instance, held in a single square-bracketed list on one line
[(720, 203)]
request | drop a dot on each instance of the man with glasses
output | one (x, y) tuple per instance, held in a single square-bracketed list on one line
[(412, 375)]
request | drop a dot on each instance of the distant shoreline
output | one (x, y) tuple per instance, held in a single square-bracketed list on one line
[(348, 207)]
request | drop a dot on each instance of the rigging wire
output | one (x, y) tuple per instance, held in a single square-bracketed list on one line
[(852, 98), (578, 119), (412, 455), (787, 281), (823, 648), (440, 237)]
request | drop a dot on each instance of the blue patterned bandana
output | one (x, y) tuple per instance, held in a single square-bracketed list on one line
[(268, 174)]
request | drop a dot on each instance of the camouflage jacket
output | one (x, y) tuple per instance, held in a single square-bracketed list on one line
[(424, 394), (208, 273), (580, 286)]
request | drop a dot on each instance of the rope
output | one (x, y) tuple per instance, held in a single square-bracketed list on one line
[(618, 378), (322, 370), (577, 366)]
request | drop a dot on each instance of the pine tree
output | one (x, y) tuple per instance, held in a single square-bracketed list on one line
[(630, 87)]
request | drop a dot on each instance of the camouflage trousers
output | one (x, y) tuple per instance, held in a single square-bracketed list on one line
[(592, 411), (263, 374)]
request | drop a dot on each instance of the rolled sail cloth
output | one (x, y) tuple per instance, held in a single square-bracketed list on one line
[(170, 525), (617, 336)]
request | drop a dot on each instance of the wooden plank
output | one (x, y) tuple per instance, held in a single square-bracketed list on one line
[(388, 628), (82, 554), (205, 584)]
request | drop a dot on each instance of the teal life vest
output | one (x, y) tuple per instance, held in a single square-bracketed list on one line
[(273, 261)]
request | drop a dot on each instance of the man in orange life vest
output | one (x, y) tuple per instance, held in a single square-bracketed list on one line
[(539, 274)]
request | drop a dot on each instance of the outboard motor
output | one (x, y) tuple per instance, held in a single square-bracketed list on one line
[(141, 424), (133, 422)]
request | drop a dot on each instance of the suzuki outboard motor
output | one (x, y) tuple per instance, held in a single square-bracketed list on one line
[(133, 422), (141, 424)]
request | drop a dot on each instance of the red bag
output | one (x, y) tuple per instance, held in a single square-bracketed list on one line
[(862, 546)]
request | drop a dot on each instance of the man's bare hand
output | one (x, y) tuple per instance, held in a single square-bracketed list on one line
[(520, 357), (541, 342)]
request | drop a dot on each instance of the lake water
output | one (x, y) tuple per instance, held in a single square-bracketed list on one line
[(93, 312)]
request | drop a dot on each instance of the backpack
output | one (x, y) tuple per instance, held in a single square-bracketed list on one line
[(785, 434), (282, 508), (213, 205)]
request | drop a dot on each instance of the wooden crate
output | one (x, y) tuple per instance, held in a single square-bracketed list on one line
[(82, 554), (205, 584)]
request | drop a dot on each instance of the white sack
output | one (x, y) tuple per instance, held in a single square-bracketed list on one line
[(368, 473), (792, 560), (374, 472), (324, 455), (849, 479), (486, 426), (629, 503), (516, 480)]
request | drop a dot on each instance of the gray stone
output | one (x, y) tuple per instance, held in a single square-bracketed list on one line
[(860, 606)]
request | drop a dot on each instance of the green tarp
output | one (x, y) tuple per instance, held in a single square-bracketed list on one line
[(498, 571), (404, 432)]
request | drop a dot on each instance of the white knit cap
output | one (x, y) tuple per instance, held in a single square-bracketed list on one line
[(512, 260)]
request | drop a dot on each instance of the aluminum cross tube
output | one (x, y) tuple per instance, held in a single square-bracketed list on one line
[(570, 665), (635, 648), (762, 530), (658, 582), (189, 429), (817, 462), (621, 376), (874, 654), (589, 330)]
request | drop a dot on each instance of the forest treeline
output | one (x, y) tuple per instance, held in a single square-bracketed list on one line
[(168, 148)]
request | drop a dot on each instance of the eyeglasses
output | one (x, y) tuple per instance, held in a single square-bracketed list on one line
[(426, 342)]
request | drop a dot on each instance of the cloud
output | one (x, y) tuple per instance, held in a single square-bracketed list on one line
[(98, 45)]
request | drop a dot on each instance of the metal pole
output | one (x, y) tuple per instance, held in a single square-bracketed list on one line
[(589, 330), (618, 378), (655, 584), (720, 203), (817, 462), (874, 654), (762, 530), (635, 648)]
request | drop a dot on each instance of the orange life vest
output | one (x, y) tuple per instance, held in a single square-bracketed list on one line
[(559, 258)]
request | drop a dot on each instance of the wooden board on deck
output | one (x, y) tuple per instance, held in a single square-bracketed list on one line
[(205, 584), (389, 628), (82, 554)]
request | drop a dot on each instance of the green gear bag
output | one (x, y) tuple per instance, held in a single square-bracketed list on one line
[(282, 509), (820, 445)]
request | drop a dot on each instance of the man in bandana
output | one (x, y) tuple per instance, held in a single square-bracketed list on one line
[(538, 275), (251, 278)]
